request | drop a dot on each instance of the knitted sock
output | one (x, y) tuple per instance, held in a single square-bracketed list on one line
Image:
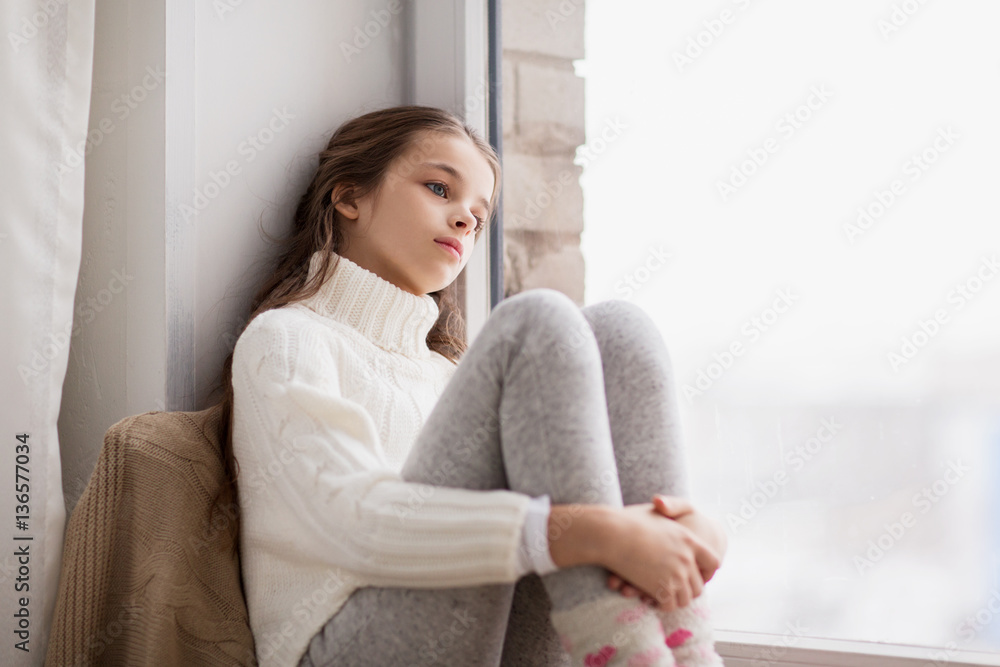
[(612, 631), (689, 634)]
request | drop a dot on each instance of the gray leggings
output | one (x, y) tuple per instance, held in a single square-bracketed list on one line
[(577, 403)]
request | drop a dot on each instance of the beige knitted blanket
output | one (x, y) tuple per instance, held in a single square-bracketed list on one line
[(148, 577)]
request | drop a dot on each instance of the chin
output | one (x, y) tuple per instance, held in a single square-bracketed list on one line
[(445, 285), (442, 287), (446, 279)]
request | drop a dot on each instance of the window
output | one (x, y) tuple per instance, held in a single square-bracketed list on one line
[(802, 195)]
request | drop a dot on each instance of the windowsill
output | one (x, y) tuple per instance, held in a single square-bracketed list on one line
[(750, 649)]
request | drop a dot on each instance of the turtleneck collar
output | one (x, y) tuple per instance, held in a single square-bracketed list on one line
[(390, 317)]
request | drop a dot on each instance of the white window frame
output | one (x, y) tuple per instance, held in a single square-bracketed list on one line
[(447, 65), (754, 649)]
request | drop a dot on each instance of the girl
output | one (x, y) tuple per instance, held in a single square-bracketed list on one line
[(392, 498)]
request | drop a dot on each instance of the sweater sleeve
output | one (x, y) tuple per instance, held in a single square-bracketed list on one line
[(534, 554), (313, 479)]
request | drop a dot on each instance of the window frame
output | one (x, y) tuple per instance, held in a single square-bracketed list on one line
[(449, 66), (752, 649)]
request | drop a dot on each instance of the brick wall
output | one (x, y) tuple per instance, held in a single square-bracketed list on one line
[(543, 123)]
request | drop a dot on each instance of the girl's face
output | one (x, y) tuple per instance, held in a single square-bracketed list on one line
[(438, 190)]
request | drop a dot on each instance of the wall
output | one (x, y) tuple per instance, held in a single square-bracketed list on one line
[(203, 125), (204, 122), (543, 109)]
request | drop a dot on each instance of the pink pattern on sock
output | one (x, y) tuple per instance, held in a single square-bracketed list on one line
[(646, 658), (601, 658), (632, 615), (702, 611), (678, 637), (566, 643)]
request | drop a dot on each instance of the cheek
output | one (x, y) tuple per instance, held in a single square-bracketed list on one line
[(417, 206)]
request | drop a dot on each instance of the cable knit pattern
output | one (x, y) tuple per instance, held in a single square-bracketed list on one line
[(330, 394)]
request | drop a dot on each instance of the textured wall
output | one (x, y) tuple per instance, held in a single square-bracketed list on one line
[(543, 125)]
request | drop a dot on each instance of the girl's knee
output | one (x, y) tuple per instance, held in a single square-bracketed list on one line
[(538, 297), (549, 313), (624, 320), (618, 312), (540, 302)]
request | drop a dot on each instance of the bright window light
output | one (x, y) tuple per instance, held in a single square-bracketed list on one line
[(803, 195)]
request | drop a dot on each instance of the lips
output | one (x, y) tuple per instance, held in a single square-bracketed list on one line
[(450, 245)]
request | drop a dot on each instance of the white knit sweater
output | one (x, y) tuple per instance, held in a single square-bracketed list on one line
[(329, 396)]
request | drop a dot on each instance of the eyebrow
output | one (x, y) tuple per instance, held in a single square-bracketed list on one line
[(444, 166)]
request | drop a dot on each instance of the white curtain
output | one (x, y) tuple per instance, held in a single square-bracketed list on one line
[(45, 83)]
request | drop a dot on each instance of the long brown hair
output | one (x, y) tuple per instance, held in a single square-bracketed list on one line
[(358, 156)]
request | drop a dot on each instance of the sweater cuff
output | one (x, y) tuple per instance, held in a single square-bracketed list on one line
[(533, 554)]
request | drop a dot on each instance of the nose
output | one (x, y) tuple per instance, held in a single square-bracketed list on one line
[(466, 222)]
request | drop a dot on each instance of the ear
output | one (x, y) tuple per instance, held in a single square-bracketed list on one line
[(343, 195)]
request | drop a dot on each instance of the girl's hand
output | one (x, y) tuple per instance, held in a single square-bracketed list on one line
[(661, 559), (616, 583), (708, 529)]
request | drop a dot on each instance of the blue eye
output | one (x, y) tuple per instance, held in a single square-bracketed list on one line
[(480, 223)]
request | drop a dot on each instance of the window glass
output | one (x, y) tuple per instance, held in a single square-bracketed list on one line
[(804, 197)]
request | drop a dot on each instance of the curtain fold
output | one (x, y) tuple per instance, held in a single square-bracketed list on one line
[(45, 85)]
